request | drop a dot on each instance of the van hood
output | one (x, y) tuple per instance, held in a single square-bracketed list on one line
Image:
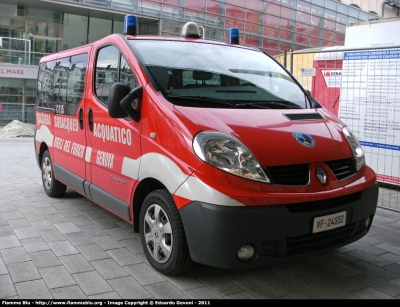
[(269, 134)]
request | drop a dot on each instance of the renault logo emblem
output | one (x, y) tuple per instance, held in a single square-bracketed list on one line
[(321, 175), (304, 139)]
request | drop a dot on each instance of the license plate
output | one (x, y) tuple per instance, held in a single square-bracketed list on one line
[(327, 222)]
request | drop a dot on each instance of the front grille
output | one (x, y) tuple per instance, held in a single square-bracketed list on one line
[(297, 174), (312, 242), (323, 204), (343, 169)]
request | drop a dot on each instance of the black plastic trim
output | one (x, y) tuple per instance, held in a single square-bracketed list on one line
[(110, 202), (43, 109), (92, 191), (305, 116), (69, 178), (215, 233)]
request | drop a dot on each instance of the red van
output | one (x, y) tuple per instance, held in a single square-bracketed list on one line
[(211, 150)]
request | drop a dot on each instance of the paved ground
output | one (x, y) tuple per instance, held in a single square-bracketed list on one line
[(71, 248)]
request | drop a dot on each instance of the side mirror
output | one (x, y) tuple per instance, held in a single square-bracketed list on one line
[(127, 103), (120, 101), (117, 92), (314, 104)]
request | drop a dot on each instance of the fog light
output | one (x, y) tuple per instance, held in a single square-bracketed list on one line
[(246, 252)]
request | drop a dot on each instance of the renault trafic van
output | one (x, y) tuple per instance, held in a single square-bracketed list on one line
[(212, 151)]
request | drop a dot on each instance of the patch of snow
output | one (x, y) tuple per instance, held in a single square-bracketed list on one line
[(17, 129)]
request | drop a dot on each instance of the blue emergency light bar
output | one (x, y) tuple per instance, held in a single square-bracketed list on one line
[(130, 25), (233, 35)]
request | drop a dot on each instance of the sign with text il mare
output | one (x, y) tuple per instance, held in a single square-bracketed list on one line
[(18, 71)]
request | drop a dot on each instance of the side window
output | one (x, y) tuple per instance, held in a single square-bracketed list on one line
[(111, 67), (69, 81), (62, 70), (61, 84), (126, 75), (45, 84), (76, 79), (106, 72)]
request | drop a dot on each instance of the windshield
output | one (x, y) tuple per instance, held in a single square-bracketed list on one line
[(212, 75)]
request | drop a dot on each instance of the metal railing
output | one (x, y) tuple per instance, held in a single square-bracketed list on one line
[(18, 51), (15, 50), (8, 56)]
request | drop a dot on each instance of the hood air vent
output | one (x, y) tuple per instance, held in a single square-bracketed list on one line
[(304, 116)]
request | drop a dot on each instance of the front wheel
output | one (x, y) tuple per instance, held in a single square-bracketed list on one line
[(163, 236), (51, 185)]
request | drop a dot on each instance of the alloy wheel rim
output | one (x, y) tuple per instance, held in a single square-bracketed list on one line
[(47, 173), (158, 234)]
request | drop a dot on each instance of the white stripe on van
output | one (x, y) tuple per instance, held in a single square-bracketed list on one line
[(195, 189), (43, 134), (88, 154), (154, 165), (160, 167), (130, 168)]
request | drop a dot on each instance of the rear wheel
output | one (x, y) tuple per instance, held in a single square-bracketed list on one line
[(52, 186), (163, 236)]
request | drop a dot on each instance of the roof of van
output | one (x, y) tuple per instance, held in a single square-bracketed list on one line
[(187, 39), (84, 48)]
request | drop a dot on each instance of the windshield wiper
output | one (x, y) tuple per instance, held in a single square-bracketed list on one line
[(260, 104), (202, 98)]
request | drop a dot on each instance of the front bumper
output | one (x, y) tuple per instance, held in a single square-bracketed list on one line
[(278, 233)]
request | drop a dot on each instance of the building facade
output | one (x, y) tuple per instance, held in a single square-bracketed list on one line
[(382, 8), (31, 28)]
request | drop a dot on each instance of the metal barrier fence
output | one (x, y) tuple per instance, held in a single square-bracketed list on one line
[(24, 112), (360, 86)]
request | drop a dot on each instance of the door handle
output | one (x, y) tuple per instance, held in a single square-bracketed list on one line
[(90, 120), (81, 118)]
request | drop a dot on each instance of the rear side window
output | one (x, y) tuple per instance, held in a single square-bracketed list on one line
[(111, 67), (61, 84)]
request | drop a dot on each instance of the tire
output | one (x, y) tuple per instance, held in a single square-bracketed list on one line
[(52, 186), (168, 253)]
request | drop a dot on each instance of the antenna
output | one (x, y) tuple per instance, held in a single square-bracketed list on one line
[(203, 31)]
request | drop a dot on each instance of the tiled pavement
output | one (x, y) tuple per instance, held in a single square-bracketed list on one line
[(71, 248)]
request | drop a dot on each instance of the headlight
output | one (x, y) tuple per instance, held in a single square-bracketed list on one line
[(356, 147), (228, 154)]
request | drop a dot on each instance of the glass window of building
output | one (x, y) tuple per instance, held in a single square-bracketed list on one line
[(128, 6), (98, 28), (171, 27), (215, 7), (118, 26), (150, 8), (75, 31)]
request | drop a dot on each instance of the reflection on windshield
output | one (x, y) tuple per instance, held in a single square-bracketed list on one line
[(218, 72)]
